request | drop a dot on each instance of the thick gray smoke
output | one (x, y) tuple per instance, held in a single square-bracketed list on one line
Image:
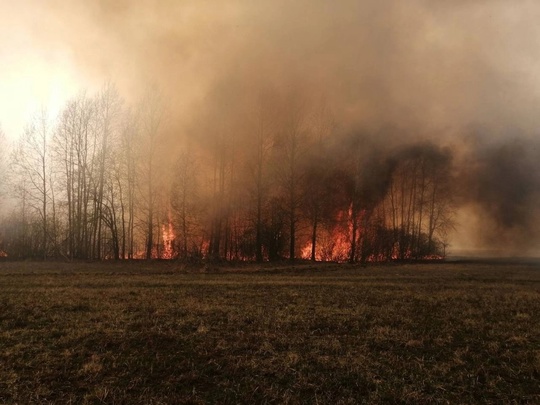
[(504, 185), (402, 71)]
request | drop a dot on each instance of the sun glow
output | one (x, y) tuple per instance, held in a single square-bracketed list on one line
[(33, 84), (32, 76)]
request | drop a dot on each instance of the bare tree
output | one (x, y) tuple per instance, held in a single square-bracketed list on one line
[(184, 201), (222, 162), (3, 156), (293, 146), (127, 179), (75, 156), (31, 161), (109, 213), (261, 143), (317, 191), (151, 112), (108, 108), (355, 202), (3, 180), (420, 201)]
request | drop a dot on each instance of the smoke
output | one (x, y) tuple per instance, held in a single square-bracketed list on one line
[(504, 188), (405, 72), (413, 64)]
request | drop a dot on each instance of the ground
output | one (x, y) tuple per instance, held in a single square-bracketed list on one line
[(162, 333)]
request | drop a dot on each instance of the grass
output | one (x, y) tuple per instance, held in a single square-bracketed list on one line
[(162, 334)]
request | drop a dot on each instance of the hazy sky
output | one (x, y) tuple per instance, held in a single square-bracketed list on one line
[(430, 64)]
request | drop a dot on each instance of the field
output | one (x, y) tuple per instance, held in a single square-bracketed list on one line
[(161, 333)]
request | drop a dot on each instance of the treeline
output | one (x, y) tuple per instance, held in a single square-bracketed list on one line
[(110, 181)]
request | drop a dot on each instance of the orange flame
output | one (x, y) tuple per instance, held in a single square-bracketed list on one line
[(168, 237), (335, 244)]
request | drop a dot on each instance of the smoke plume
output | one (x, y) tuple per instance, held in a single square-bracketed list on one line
[(405, 73)]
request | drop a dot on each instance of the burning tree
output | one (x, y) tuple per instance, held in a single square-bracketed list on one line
[(319, 190), (285, 185), (393, 206)]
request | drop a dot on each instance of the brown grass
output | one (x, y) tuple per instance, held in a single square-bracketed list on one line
[(162, 333)]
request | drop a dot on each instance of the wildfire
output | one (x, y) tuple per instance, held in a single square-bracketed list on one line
[(305, 253), (168, 237), (334, 244)]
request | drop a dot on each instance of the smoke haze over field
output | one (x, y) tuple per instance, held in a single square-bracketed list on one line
[(460, 74), (412, 64)]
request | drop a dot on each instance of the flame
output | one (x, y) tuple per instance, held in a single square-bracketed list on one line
[(334, 244), (168, 237), (305, 253), (204, 247)]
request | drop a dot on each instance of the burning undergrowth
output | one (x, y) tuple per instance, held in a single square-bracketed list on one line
[(400, 205)]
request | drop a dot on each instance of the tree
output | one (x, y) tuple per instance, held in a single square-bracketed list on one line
[(3, 175), (127, 179), (355, 199), (292, 145), (3, 171), (440, 202), (75, 156), (151, 113), (421, 203), (184, 197), (30, 161), (318, 193), (221, 160), (261, 143), (108, 108)]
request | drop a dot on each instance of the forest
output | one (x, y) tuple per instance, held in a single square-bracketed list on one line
[(108, 180)]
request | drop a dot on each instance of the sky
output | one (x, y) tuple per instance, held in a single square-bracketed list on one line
[(452, 72), (33, 73), (417, 63)]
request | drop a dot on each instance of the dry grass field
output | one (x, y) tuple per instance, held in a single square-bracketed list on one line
[(160, 333)]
